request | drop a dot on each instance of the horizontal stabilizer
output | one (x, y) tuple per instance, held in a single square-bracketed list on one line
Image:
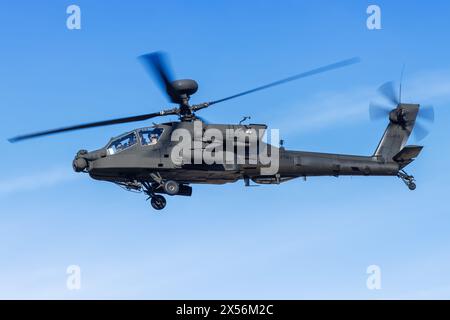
[(407, 155)]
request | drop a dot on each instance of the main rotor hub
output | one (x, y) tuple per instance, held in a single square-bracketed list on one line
[(182, 90)]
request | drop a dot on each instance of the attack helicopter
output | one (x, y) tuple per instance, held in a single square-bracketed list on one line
[(151, 160)]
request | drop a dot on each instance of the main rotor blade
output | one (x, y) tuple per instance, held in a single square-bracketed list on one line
[(156, 64), (92, 125), (312, 72), (389, 91), (202, 119)]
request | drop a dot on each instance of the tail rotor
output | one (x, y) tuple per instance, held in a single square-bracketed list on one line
[(392, 101)]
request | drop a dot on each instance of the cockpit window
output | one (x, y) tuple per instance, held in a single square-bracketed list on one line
[(150, 136), (122, 143)]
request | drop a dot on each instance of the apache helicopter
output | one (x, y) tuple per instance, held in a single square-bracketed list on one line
[(142, 160)]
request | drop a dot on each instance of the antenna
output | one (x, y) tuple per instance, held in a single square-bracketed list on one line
[(244, 119), (400, 89)]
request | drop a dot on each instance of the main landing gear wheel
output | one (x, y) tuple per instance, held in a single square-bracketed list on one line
[(158, 202), (171, 187)]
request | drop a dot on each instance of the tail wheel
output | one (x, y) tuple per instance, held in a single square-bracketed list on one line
[(407, 179), (171, 187), (158, 202)]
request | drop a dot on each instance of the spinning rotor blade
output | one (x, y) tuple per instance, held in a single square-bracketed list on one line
[(156, 64), (93, 125), (378, 111), (426, 113), (420, 132), (389, 91), (312, 72)]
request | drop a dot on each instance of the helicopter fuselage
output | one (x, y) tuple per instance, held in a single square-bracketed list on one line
[(139, 162)]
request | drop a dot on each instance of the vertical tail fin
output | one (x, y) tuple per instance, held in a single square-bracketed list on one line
[(401, 123)]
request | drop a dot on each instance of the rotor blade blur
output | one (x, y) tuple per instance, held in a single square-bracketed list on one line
[(426, 113), (309, 73), (156, 64), (389, 91), (420, 132), (88, 125), (378, 111)]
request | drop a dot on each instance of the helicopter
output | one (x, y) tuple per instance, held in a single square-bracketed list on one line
[(168, 158)]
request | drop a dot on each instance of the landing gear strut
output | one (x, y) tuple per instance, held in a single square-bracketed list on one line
[(158, 185), (407, 179), (157, 201)]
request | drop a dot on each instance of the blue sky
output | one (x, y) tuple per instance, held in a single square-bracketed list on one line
[(299, 240)]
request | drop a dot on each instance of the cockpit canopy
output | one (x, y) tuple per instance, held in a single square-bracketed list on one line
[(150, 136), (145, 136)]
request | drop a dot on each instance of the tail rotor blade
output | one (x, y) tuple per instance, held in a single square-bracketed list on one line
[(377, 111), (389, 92), (426, 113), (420, 132)]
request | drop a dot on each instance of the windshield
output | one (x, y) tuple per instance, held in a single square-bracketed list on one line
[(150, 136), (122, 143)]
